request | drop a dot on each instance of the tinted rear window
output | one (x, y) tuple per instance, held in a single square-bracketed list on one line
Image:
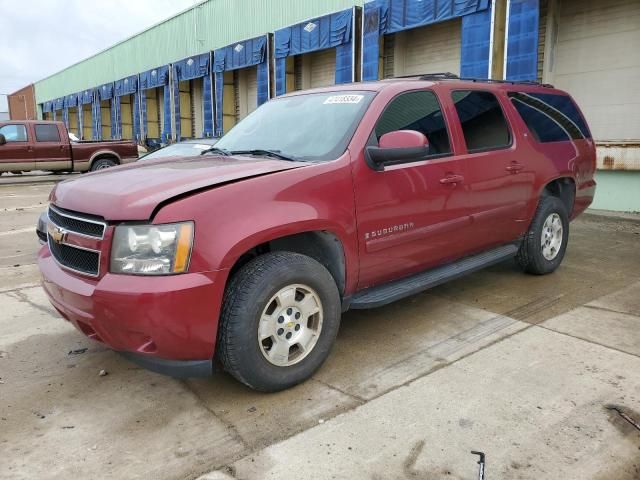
[(565, 105), (559, 109), (47, 133), (543, 128)]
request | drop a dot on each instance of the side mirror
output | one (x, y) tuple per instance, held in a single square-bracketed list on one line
[(397, 147), (3, 139)]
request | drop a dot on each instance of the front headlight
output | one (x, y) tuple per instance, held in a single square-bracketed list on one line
[(152, 249)]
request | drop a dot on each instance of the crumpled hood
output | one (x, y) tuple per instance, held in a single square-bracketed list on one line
[(133, 191)]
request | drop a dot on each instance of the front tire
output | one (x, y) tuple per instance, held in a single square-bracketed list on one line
[(280, 317), (544, 245)]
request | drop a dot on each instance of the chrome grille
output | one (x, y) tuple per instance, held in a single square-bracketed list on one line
[(64, 224), (74, 258), (80, 225)]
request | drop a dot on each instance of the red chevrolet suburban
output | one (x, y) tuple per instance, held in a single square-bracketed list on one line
[(319, 201), (40, 145)]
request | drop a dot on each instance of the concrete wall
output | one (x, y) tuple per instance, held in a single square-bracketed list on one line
[(617, 190)]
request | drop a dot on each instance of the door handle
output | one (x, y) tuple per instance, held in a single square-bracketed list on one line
[(515, 167), (452, 179)]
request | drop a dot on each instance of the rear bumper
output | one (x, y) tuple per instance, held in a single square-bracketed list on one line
[(167, 324), (584, 197)]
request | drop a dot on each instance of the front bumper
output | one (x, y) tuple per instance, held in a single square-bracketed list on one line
[(167, 323)]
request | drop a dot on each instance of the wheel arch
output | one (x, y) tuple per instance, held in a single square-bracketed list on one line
[(100, 154), (323, 245), (563, 188)]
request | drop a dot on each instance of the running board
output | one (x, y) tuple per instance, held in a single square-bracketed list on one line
[(392, 291)]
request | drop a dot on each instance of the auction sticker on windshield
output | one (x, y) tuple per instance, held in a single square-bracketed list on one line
[(343, 99)]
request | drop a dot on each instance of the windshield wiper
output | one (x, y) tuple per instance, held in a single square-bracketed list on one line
[(220, 151), (264, 153)]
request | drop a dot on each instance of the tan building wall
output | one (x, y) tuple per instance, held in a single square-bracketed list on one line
[(22, 104)]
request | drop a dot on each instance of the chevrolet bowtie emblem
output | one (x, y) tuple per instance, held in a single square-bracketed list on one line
[(57, 234)]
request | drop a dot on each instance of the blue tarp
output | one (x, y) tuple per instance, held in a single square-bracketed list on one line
[(105, 92), (126, 86), (389, 16), (247, 53), (240, 54), (96, 116), (176, 110), (207, 106), (156, 77), (522, 41), (191, 68), (47, 107), (317, 34), (136, 116), (116, 126), (329, 31), (65, 117), (86, 97), (58, 103), (71, 101), (475, 49)]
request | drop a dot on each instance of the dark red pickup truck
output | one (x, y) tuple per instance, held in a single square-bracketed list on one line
[(39, 145), (350, 196)]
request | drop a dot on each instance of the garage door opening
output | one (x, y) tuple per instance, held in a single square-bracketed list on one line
[(241, 73), (187, 120), (126, 116), (196, 109), (87, 123), (105, 119), (74, 126), (193, 97), (312, 70), (406, 37), (429, 49), (229, 103), (154, 109)]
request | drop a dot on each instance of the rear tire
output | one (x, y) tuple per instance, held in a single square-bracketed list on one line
[(544, 245), (280, 317), (103, 163)]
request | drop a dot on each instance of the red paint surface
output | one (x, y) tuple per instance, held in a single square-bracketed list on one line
[(391, 223)]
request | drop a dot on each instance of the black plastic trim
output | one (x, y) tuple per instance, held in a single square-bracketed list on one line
[(171, 368)]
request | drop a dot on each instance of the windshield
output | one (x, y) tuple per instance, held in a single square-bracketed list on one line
[(315, 126), (179, 150)]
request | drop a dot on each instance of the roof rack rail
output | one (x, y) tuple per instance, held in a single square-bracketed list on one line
[(439, 76), (453, 76)]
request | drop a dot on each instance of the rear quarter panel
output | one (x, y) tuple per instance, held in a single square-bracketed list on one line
[(550, 161)]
